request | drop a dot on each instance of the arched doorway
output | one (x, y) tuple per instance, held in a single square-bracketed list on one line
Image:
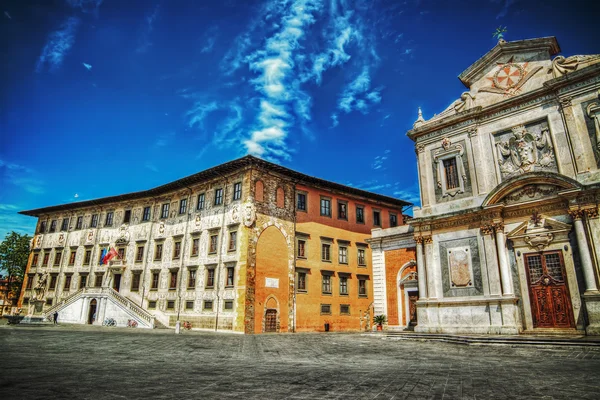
[(408, 294), (92, 312)]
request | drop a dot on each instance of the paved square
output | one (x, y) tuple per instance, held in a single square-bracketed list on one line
[(81, 362)]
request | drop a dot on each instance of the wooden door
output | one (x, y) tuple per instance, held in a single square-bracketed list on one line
[(548, 290), (117, 282), (412, 308), (271, 320)]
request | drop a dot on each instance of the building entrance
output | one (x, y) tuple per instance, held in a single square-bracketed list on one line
[(271, 320), (548, 290), (412, 308), (92, 312), (117, 282)]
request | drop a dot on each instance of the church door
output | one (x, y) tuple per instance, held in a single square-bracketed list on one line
[(548, 290), (271, 320), (412, 308)]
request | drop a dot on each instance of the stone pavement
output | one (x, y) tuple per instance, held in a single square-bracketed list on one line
[(84, 362)]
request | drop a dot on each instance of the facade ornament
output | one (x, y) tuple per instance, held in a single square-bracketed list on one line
[(420, 148), (509, 77), (591, 212), (123, 234), (420, 121), (249, 212), (419, 239), (446, 143), (566, 101), (562, 66), (235, 214), (38, 241), (525, 152), (499, 226), (89, 238), (472, 131), (161, 228), (487, 229), (466, 101), (576, 214), (593, 111), (449, 152), (197, 221), (427, 239), (61, 239), (40, 287)]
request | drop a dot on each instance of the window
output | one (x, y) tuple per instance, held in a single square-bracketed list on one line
[(280, 197), (325, 252), (344, 309), (228, 305), (135, 281), (451, 173), (65, 224), (360, 215), (158, 251), (325, 207), (343, 286), (301, 281), (127, 216), (176, 250), (79, 223), (301, 201), (191, 278), (361, 257), (301, 248), (173, 279), (82, 281), (146, 214), (121, 253), (94, 222), (35, 260), (100, 257), (393, 220), (88, 257), (164, 211), (362, 287), (326, 309), (210, 278), (29, 281), (72, 256), (195, 246), (152, 305), (237, 191), (53, 280), (376, 218), (42, 227), (218, 197), (343, 255), (67, 286), (182, 206), (213, 243), (109, 219), (200, 205), (98, 281), (53, 226), (230, 275), (49, 301), (232, 241), (189, 305), (57, 258), (326, 284), (45, 260), (155, 277), (342, 210), (208, 305), (171, 305), (259, 191), (139, 254)]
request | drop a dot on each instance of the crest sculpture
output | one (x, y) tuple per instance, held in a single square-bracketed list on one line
[(524, 152)]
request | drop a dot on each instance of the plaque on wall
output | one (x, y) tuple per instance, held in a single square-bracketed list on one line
[(459, 265), (272, 283)]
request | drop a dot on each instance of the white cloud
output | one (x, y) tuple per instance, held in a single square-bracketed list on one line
[(144, 40), (210, 43), (87, 66), (358, 96), (164, 139), (199, 112), (58, 45), (151, 167), (334, 120), (23, 177)]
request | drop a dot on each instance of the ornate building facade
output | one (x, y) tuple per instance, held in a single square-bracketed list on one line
[(247, 246), (508, 237)]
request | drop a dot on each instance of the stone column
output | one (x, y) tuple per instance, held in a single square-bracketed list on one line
[(432, 292), (86, 301), (505, 275), (491, 260), (584, 251), (421, 270)]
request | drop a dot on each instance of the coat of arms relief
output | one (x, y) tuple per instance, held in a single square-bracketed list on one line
[(528, 149)]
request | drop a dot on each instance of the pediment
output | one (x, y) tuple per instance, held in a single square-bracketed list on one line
[(531, 192), (538, 232)]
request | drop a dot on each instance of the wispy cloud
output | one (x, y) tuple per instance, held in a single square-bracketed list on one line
[(378, 161), (505, 7), (11, 221), (164, 139), (21, 176), (151, 167), (147, 28), (209, 39), (199, 112), (411, 195), (86, 6), (58, 45)]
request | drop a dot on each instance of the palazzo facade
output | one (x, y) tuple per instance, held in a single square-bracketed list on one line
[(247, 246)]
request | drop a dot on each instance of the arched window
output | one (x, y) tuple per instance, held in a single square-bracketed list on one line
[(280, 197), (259, 191)]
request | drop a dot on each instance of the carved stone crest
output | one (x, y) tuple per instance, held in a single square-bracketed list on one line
[(89, 238), (123, 234), (249, 212), (38, 241), (161, 228), (524, 152), (61, 239), (235, 214)]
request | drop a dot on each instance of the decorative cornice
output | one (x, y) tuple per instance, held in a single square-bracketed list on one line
[(576, 214)]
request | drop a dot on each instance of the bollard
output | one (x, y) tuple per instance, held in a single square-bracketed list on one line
[(177, 327)]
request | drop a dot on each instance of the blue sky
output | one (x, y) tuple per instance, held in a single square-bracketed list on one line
[(103, 97)]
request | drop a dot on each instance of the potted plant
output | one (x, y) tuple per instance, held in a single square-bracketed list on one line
[(380, 320)]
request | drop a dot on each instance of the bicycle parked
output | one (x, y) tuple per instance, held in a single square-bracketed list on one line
[(132, 323), (109, 322), (187, 325)]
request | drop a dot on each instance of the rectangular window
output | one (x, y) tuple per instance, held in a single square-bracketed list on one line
[(67, 286), (210, 278), (173, 280), (451, 173), (146, 214), (218, 196), (301, 282), (158, 251), (109, 218), (232, 241), (65, 224), (182, 206), (94, 222), (164, 211), (45, 260), (362, 287), (361, 257), (53, 226), (79, 223), (360, 215), (98, 281), (191, 278), (342, 210), (343, 286), (53, 280), (189, 305), (213, 243), (72, 256), (195, 246), (200, 205), (29, 282), (301, 248), (155, 277), (393, 220), (228, 305), (326, 284), (42, 227), (301, 201), (82, 281), (127, 216), (36, 258), (326, 309), (49, 301), (376, 218), (88, 257), (176, 250), (344, 309), (208, 305), (325, 207), (139, 254), (135, 281), (152, 305), (325, 252), (230, 275), (57, 258), (121, 253), (237, 191), (343, 255), (171, 305)]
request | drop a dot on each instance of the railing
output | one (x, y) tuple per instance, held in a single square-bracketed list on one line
[(65, 302), (130, 305)]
